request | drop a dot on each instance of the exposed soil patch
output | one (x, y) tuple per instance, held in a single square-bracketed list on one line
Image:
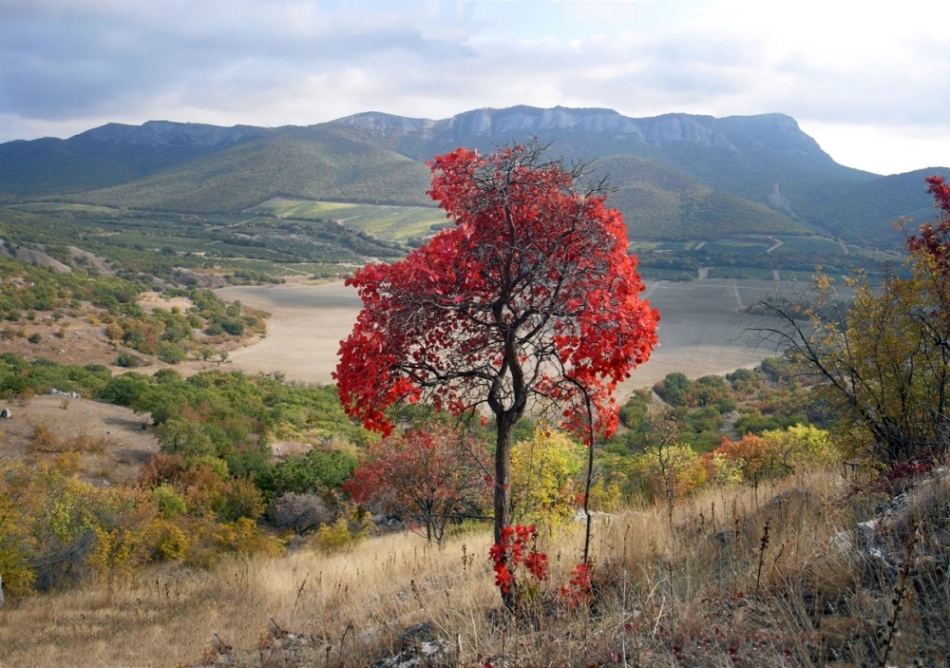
[(114, 440), (77, 337)]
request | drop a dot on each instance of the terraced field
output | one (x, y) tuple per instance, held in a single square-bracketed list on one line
[(394, 223)]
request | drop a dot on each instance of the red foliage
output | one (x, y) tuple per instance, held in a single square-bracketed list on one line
[(512, 551), (579, 588), (433, 475), (530, 297), (934, 239), (532, 292), (755, 454)]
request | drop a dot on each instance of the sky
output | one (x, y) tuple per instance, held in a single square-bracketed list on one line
[(871, 85)]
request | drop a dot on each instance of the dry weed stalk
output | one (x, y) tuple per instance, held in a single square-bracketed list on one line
[(900, 591), (763, 545)]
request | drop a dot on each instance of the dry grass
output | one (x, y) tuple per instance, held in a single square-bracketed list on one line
[(665, 594)]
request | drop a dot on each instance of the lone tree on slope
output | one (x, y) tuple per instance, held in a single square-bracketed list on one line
[(529, 301)]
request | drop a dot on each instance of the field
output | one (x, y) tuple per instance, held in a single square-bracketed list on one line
[(734, 576), (702, 330), (394, 223)]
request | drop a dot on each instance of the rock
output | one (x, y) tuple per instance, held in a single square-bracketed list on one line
[(421, 646)]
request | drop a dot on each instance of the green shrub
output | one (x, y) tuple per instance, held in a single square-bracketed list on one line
[(128, 360), (171, 353), (168, 501)]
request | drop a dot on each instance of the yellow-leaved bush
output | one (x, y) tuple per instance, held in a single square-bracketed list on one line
[(544, 469)]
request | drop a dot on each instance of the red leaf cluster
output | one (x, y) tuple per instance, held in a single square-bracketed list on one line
[(532, 292), (512, 551), (579, 588), (433, 475), (934, 239)]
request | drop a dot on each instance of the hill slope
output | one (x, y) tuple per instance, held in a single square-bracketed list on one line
[(310, 163), (663, 202)]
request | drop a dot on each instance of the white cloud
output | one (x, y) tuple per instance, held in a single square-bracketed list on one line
[(842, 68)]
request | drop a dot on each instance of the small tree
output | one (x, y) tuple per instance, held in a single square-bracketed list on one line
[(883, 361), (530, 299), (543, 469), (434, 475)]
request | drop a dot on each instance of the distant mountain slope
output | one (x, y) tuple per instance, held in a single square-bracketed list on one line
[(677, 175), (309, 163), (866, 212), (663, 202), (108, 155)]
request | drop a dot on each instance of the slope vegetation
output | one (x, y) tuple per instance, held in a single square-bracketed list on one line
[(310, 163)]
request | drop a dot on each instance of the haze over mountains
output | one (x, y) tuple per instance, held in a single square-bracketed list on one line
[(676, 176)]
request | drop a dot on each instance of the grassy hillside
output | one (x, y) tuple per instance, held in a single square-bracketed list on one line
[(389, 222), (660, 202), (865, 213), (305, 163)]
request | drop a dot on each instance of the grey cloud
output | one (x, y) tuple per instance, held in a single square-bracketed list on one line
[(80, 62)]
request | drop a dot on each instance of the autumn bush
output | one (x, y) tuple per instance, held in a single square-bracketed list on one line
[(301, 513), (544, 477), (432, 475)]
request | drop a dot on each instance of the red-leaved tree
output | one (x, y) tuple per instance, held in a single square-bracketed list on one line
[(434, 475), (529, 300), (934, 239)]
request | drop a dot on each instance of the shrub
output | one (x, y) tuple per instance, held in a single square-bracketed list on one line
[(128, 360), (171, 353), (299, 512), (168, 501), (168, 541), (542, 476), (340, 536)]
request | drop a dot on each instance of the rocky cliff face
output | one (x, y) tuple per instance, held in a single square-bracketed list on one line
[(735, 133)]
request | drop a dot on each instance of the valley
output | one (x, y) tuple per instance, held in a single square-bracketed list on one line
[(702, 329)]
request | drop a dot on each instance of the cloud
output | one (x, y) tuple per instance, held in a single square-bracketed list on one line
[(58, 60), (66, 65)]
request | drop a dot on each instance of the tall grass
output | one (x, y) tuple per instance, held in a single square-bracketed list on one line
[(705, 590)]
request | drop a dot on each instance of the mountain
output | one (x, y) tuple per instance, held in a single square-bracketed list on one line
[(310, 163), (109, 155), (674, 176)]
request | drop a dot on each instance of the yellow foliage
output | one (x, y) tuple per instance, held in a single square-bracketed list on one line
[(341, 535), (672, 470), (606, 496), (118, 552), (802, 446), (167, 541), (543, 470), (16, 546), (246, 538)]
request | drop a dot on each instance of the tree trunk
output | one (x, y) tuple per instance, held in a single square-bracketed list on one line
[(506, 424)]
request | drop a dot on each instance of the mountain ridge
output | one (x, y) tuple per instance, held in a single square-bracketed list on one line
[(735, 174)]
